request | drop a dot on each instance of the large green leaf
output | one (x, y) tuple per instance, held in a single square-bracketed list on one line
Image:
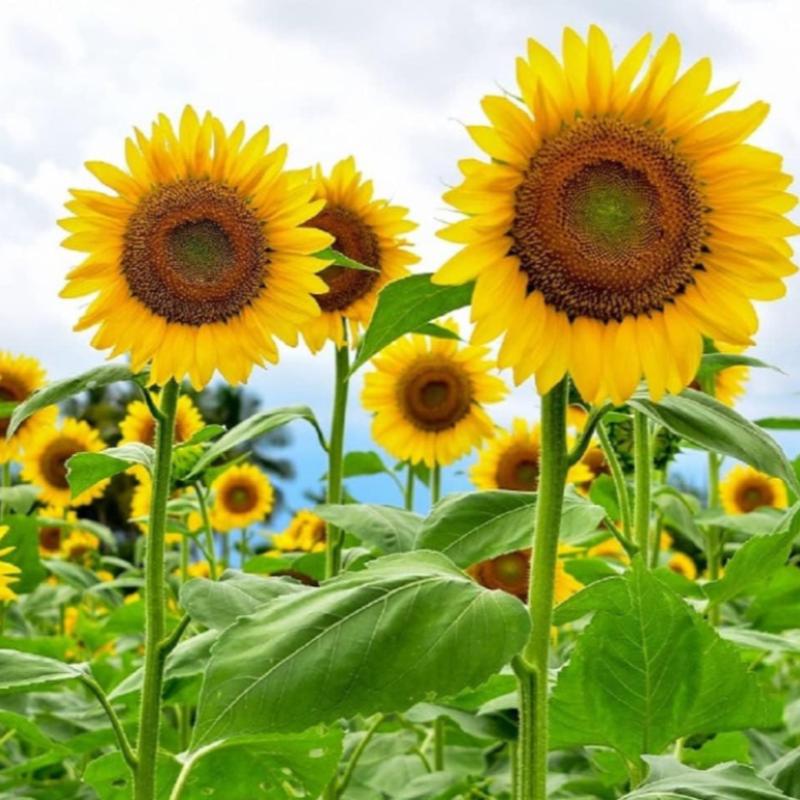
[(84, 470), (217, 604), (405, 306), (473, 526), (642, 677), (707, 423), (23, 536), (670, 780), (779, 423), (62, 390), (784, 774), (776, 606), (392, 530), (111, 778), (27, 672), (404, 629), (253, 427)]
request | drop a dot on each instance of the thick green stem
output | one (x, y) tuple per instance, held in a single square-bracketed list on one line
[(643, 466), (439, 732), (333, 546), (150, 715), (207, 530), (409, 492), (225, 556), (532, 668), (244, 545), (620, 483), (436, 484), (714, 535)]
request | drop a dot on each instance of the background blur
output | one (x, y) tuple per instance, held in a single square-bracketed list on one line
[(391, 83)]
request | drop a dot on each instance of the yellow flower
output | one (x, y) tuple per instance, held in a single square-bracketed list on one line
[(105, 576), (511, 461), (139, 425), (682, 565), (665, 541), (199, 257), (78, 545), (305, 533), (609, 548), (617, 221), (71, 615), (140, 506), (198, 569), (368, 231), (45, 462), (50, 536), (8, 571), (427, 395), (745, 489), (20, 377), (243, 495)]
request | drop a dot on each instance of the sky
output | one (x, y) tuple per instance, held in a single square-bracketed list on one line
[(391, 83)]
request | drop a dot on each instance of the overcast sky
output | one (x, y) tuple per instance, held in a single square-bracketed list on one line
[(391, 83)]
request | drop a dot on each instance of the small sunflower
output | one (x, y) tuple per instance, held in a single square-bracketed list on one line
[(243, 495), (305, 533), (427, 395), (51, 536), (682, 564), (609, 548), (139, 425), (368, 231), (511, 461), (45, 462), (79, 545), (745, 489), (9, 573), (200, 256), (617, 221), (20, 377), (199, 569)]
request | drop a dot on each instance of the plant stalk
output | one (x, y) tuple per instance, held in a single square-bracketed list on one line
[(409, 492), (713, 536), (620, 483), (532, 668), (150, 715), (643, 466), (207, 530)]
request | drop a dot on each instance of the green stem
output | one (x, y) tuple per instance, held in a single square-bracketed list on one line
[(122, 739), (357, 753), (225, 556), (438, 744), (5, 482), (207, 530), (436, 484), (713, 536), (409, 493), (620, 483), (150, 715), (532, 668), (643, 466), (244, 546), (334, 536), (184, 559)]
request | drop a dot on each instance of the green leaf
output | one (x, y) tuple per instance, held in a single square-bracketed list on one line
[(217, 604), (784, 774), (712, 363), (779, 423), (205, 434), (341, 260), (671, 780), (474, 526), (19, 499), (392, 530), (607, 593), (776, 607), (729, 746), (362, 462), (72, 574), (707, 423), (7, 408), (26, 672), (62, 390), (23, 536), (404, 306), (749, 639), (641, 678), (110, 777), (84, 470), (380, 639), (755, 523), (252, 428), (438, 331)]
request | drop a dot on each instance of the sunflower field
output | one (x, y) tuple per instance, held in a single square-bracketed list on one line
[(581, 625)]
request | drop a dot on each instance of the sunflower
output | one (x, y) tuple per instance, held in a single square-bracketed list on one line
[(199, 569), (511, 461), (427, 395), (745, 489), (140, 506), (682, 564), (366, 230), (618, 221), (199, 256), (305, 533), (139, 425), (45, 462), (20, 377), (51, 535), (8, 572), (609, 548), (79, 545), (243, 495), (510, 573)]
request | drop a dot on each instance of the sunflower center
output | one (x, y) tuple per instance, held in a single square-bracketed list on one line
[(435, 396), (195, 253), (609, 221), (50, 539), (508, 572), (753, 496), (518, 469), (240, 499), (9, 393), (354, 239), (54, 459)]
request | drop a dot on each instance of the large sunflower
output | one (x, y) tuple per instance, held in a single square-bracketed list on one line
[(617, 221), (45, 462), (427, 395), (139, 425), (511, 461), (200, 255), (745, 489), (305, 533), (243, 496), (20, 377), (368, 231)]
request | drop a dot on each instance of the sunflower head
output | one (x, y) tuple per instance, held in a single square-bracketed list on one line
[(683, 565), (609, 548), (45, 462), (618, 221), (509, 572), (139, 425), (427, 395), (198, 256), (305, 533), (20, 377), (51, 536), (745, 489), (366, 230), (79, 545), (243, 496), (9, 573)]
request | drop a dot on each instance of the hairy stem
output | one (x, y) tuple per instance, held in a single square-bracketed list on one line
[(643, 466), (208, 531), (620, 484)]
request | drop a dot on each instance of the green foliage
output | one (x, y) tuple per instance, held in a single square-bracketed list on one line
[(27, 672), (84, 470), (391, 530)]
